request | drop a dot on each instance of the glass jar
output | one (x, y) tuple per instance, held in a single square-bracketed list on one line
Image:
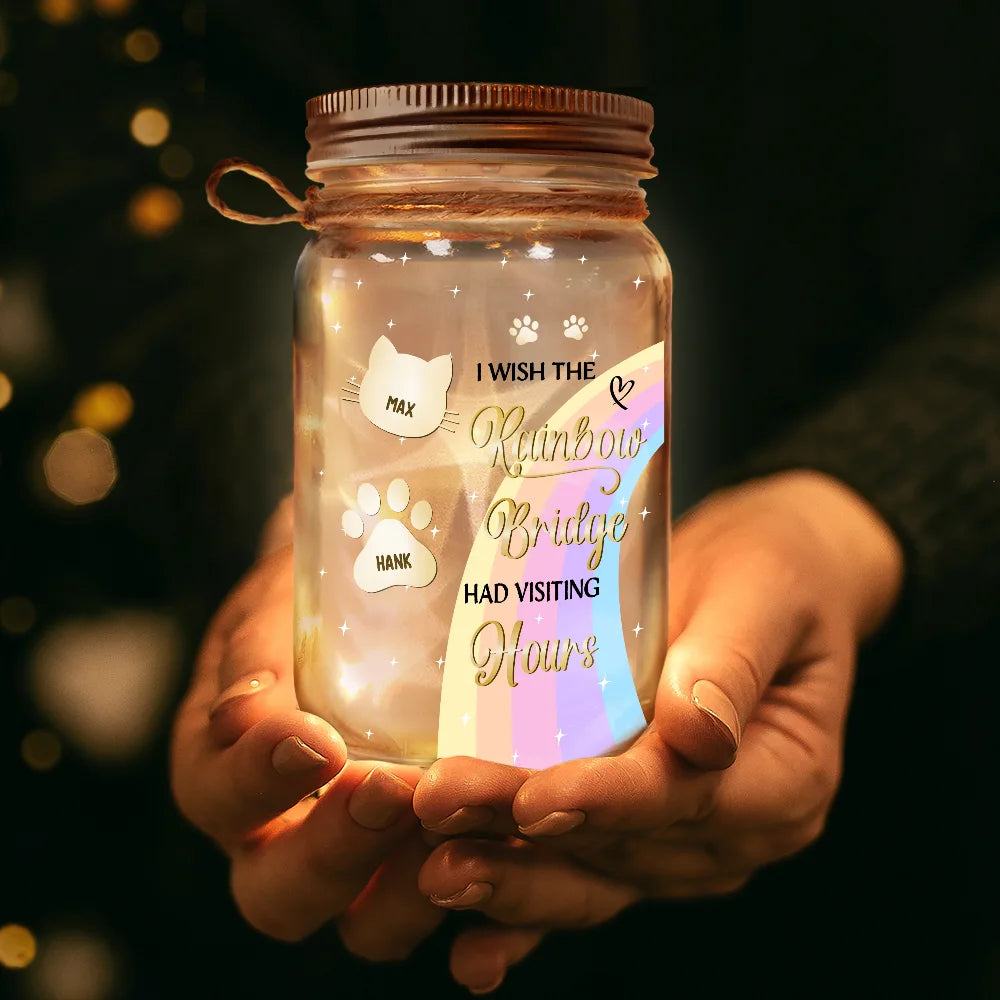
[(482, 508)]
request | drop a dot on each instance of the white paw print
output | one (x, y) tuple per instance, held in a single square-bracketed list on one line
[(525, 330), (575, 327), (392, 557)]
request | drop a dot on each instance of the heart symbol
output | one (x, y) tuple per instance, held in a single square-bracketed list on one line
[(620, 390)]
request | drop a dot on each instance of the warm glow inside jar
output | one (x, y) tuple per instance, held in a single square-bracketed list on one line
[(482, 438)]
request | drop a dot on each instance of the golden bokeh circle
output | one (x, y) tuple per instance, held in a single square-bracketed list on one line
[(154, 210), (150, 126), (104, 407), (6, 390), (17, 946), (59, 11), (142, 45), (80, 466), (41, 750)]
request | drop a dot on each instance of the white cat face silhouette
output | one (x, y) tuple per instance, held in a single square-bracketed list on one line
[(403, 394)]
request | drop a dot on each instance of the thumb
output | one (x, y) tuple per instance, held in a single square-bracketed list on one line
[(741, 630)]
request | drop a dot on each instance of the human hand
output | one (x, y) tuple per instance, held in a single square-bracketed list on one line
[(245, 760), (773, 584)]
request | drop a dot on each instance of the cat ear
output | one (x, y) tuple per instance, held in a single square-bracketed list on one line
[(382, 353), (441, 370)]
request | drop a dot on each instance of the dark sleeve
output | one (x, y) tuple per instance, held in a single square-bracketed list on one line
[(919, 437)]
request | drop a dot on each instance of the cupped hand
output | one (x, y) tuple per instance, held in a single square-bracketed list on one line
[(311, 837), (773, 586)]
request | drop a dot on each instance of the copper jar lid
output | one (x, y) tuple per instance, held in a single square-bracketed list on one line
[(475, 121)]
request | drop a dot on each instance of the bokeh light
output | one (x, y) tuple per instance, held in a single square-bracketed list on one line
[(112, 8), (142, 45), (176, 162), (41, 750), (154, 210), (105, 407), (59, 11), (193, 17), (17, 615), (6, 390), (17, 946), (74, 965), (80, 466), (25, 331), (8, 87), (150, 126), (105, 682)]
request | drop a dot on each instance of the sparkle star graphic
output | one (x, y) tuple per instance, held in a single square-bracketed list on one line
[(473, 497), (638, 628), (454, 291), (359, 283), (644, 512), (559, 736), (503, 261), (345, 628), (393, 662), (390, 324), (369, 733), (465, 718), (604, 682), (434, 531), (322, 572), (353, 378), (404, 258), (440, 662), (595, 355), (528, 294), (336, 328), (539, 619), (582, 259), (401, 440), (320, 473), (514, 756), (645, 424), (638, 281)]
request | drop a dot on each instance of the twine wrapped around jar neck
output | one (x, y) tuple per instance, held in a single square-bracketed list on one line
[(318, 211)]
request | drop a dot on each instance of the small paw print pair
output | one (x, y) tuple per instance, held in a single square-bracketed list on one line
[(524, 329)]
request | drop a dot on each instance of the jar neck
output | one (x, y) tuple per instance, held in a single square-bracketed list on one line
[(431, 192)]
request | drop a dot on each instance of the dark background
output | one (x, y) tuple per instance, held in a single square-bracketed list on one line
[(827, 173)]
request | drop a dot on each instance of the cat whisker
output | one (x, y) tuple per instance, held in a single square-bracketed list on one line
[(347, 399), (347, 388), (454, 413), (441, 427)]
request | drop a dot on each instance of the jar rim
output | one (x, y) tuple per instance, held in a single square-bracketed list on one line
[(471, 121)]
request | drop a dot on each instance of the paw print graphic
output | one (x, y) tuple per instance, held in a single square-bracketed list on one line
[(392, 557), (525, 329), (575, 327)]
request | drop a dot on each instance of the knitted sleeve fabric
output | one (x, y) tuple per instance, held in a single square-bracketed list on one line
[(919, 438)]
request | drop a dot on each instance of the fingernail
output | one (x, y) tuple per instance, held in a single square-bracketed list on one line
[(247, 685), (480, 990), (292, 756), (472, 895), (463, 820), (380, 800), (555, 823), (714, 703)]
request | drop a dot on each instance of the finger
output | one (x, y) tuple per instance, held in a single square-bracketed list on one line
[(231, 793), (481, 956), (323, 854), (391, 916), (744, 623), (585, 801), (459, 795), (520, 884)]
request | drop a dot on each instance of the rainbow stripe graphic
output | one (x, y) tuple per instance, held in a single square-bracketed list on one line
[(555, 715)]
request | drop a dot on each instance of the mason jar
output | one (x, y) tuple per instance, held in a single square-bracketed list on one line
[(482, 358)]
